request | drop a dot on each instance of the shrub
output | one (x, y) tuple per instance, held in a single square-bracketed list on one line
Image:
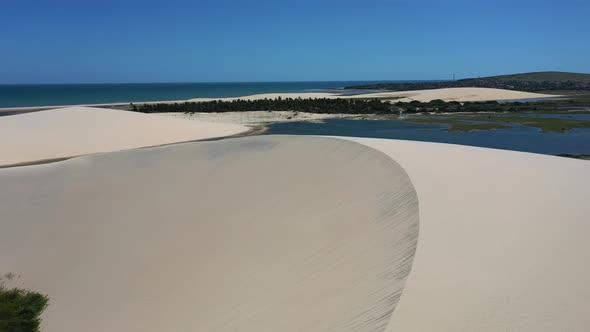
[(20, 309)]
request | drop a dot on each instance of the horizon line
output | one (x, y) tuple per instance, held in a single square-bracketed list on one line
[(230, 82)]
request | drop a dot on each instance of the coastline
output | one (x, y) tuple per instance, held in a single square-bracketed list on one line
[(450, 94), (253, 122)]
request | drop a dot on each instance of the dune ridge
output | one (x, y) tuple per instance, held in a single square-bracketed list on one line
[(446, 94), (503, 239), (265, 233), (74, 131)]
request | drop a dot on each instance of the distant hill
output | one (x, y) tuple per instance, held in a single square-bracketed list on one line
[(532, 82), (543, 76)]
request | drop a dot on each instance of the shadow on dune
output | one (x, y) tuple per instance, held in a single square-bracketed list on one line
[(272, 233)]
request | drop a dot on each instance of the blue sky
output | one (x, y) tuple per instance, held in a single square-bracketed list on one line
[(66, 41)]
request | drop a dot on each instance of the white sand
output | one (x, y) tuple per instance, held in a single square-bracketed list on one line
[(261, 117), (76, 131), (459, 94), (272, 96), (449, 94), (257, 117), (257, 234), (503, 242)]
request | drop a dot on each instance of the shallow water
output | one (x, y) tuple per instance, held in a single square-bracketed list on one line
[(518, 137)]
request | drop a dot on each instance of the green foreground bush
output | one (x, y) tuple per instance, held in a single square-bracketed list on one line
[(20, 310)]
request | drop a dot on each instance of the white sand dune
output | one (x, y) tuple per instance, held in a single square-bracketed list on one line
[(503, 240), (272, 96), (259, 234), (459, 94), (448, 94), (76, 131)]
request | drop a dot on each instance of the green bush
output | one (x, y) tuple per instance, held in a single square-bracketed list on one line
[(20, 310)]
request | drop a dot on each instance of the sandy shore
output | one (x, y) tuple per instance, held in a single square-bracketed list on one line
[(76, 131), (459, 94), (257, 117)]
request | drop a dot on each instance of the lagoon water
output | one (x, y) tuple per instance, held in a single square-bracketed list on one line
[(518, 137), (75, 94)]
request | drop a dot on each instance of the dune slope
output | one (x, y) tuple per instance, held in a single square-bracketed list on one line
[(459, 94), (256, 234), (503, 240), (74, 131)]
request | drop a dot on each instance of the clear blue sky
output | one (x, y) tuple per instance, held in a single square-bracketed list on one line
[(74, 41)]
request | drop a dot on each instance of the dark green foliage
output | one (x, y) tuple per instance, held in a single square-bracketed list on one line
[(576, 156), (487, 121), (359, 106), (20, 310), (544, 76), (541, 81), (321, 105)]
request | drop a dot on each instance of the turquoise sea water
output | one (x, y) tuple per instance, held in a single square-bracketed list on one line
[(73, 94)]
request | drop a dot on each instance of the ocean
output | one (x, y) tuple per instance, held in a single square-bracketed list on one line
[(22, 95)]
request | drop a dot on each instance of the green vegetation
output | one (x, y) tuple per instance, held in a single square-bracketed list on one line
[(576, 156), (455, 124), (458, 116), (469, 122), (534, 82), (20, 310), (360, 106), (319, 105), (544, 76), (439, 106)]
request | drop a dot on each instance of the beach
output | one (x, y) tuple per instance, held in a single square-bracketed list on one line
[(286, 233), (256, 118)]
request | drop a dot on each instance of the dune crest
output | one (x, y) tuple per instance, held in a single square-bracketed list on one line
[(447, 94), (74, 131), (261, 234), (503, 240)]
